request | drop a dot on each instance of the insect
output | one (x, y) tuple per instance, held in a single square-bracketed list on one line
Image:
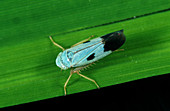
[(86, 52)]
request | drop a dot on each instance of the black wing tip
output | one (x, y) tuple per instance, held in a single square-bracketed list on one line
[(113, 40), (122, 30)]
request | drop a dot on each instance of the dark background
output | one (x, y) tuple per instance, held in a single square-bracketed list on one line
[(149, 94)]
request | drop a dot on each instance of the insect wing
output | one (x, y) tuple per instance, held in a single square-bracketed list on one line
[(88, 52), (96, 49), (82, 50), (93, 56)]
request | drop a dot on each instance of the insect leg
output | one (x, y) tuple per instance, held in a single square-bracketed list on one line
[(83, 41), (119, 50), (56, 43), (65, 85), (82, 67), (88, 79)]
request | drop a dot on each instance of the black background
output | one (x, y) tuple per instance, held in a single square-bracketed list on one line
[(149, 94)]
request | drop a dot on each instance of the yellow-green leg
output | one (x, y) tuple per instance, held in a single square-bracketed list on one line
[(56, 43), (65, 85), (77, 71), (83, 41), (89, 79), (119, 50)]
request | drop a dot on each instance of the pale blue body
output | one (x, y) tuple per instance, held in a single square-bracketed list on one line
[(77, 56)]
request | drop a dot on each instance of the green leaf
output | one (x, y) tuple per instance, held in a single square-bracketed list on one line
[(27, 63)]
